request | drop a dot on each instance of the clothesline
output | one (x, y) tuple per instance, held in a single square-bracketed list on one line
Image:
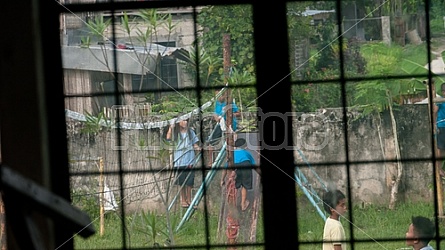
[(144, 125)]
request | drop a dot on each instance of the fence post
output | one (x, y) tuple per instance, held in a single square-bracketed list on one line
[(101, 193)]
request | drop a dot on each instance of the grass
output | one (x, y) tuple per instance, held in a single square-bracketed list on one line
[(373, 227)]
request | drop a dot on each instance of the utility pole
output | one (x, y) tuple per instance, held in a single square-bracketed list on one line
[(232, 220)]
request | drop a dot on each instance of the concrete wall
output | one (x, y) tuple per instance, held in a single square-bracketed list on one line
[(370, 151), (321, 152)]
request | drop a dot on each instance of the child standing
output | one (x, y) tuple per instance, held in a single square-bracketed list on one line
[(186, 145), (334, 203)]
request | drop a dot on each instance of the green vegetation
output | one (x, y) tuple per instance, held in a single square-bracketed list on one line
[(148, 229), (378, 228), (372, 224), (375, 227), (370, 60)]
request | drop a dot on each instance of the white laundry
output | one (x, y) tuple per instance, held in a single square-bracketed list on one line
[(222, 124), (109, 201)]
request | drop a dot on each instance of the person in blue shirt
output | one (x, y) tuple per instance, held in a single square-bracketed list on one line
[(186, 143), (220, 112), (243, 163), (439, 109)]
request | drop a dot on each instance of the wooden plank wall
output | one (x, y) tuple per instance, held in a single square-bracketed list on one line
[(78, 89)]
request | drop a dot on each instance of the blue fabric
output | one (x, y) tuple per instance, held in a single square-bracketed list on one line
[(441, 115), (427, 248), (184, 154), (242, 160), (241, 155), (219, 107), (440, 137)]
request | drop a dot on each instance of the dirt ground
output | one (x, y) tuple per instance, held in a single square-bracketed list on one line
[(437, 47)]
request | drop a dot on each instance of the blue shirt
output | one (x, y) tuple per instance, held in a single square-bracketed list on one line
[(441, 115), (427, 248), (240, 155), (219, 106), (184, 154)]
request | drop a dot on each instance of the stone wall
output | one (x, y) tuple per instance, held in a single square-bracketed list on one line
[(321, 152)]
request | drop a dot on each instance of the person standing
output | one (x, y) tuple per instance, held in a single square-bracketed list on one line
[(243, 162), (420, 232), (220, 113), (220, 116), (334, 203), (185, 143), (439, 110)]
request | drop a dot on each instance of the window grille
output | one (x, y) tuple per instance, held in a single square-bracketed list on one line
[(120, 159)]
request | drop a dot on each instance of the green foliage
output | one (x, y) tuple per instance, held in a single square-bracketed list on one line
[(208, 66), (125, 23), (85, 42), (414, 53), (235, 20), (412, 6), (371, 96), (86, 202), (98, 26), (95, 124), (246, 95), (372, 59), (414, 63), (298, 25), (142, 143), (437, 10), (383, 60), (152, 226), (154, 22), (325, 51), (168, 22), (171, 103), (329, 52), (437, 27), (324, 65), (415, 84), (312, 96)]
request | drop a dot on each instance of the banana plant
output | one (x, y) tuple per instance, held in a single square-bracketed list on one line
[(421, 73)]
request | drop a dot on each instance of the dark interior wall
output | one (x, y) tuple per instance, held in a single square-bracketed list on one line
[(33, 122), (32, 117)]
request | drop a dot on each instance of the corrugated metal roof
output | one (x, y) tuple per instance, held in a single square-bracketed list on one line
[(101, 58)]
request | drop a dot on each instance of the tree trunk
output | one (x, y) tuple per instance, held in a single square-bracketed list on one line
[(396, 182)]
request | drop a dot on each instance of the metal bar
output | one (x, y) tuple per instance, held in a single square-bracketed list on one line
[(45, 202), (205, 183), (310, 197)]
